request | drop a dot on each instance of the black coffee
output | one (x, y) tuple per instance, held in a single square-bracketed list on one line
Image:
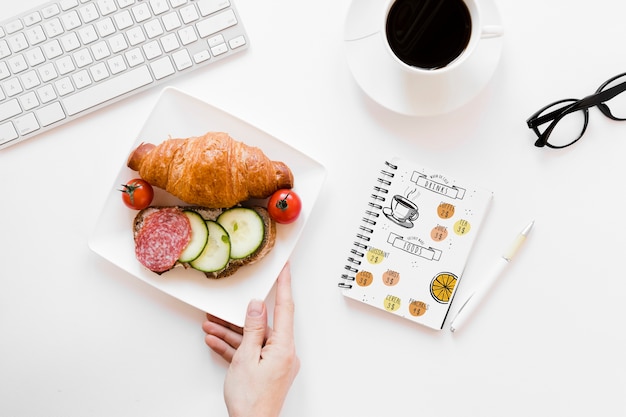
[(428, 33)]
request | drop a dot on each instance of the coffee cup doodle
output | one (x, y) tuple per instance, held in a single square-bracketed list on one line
[(402, 211)]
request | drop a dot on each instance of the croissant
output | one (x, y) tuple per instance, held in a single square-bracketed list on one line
[(213, 170)]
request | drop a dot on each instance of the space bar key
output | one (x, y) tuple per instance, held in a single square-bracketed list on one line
[(107, 90)]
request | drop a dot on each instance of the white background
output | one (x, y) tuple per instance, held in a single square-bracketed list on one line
[(79, 337)]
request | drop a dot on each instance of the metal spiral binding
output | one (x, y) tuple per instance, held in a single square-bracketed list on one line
[(357, 253), (371, 214)]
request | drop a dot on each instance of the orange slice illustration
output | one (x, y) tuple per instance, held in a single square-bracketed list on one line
[(442, 287)]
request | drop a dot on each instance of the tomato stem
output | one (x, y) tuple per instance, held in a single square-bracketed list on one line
[(130, 190), (282, 203)]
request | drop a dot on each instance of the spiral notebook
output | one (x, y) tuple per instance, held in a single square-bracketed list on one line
[(413, 241)]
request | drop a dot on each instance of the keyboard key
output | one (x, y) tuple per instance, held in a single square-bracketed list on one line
[(26, 124), (4, 71), (116, 64), (170, 43), (88, 13), (81, 79), (32, 18), (71, 20), (46, 94), (18, 42), (105, 27), (35, 35), (52, 49), (123, 20), (106, 7), (135, 36), (237, 42), (65, 65), (70, 42), (201, 56), (53, 27), (47, 72), (7, 133), (171, 21), (50, 10), (12, 87), (187, 35), (134, 57), (117, 43), (99, 72), (126, 3), (141, 12), (211, 6), (182, 59), (88, 34), (82, 58), (216, 23), (30, 79), (189, 14), (219, 49), (68, 4), (17, 64), (4, 49), (49, 114), (159, 6), (152, 50), (100, 50), (107, 90), (153, 28), (14, 26), (9, 109), (215, 40), (64, 86), (29, 101), (162, 68)]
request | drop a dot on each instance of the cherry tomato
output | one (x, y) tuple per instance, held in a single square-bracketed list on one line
[(137, 194), (284, 206)]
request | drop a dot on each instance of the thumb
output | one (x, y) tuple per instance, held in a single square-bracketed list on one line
[(254, 330)]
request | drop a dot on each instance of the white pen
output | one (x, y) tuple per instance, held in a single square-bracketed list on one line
[(475, 298)]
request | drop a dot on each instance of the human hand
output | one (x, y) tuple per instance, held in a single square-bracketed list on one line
[(263, 361)]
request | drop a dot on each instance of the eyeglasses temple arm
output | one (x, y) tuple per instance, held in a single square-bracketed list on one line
[(584, 103), (535, 121)]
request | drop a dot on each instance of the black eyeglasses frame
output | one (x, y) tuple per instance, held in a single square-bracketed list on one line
[(599, 99)]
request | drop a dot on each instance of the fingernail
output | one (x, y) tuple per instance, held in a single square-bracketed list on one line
[(255, 308)]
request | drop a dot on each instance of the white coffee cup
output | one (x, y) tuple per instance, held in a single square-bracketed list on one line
[(433, 36)]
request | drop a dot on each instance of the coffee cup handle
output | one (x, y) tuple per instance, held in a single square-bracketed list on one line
[(414, 216), (491, 31)]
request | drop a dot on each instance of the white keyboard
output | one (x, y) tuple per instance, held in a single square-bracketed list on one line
[(66, 58)]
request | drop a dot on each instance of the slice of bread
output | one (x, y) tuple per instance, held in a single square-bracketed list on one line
[(233, 265)]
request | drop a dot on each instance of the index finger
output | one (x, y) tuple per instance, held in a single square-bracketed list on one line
[(284, 308)]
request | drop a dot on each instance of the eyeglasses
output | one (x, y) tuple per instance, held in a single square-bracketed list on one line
[(567, 119)]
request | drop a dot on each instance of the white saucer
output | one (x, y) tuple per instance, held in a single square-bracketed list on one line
[(411, 94)]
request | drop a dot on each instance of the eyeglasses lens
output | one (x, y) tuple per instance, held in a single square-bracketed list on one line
[(617, 104), (568, 129)]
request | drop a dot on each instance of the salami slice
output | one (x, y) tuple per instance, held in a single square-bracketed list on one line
[(162, 239)]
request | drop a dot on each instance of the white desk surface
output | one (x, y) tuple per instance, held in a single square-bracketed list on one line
[(79, 337)]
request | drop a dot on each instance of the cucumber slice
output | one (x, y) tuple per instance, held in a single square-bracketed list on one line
[(216, 253), (199, 237), (245, 228)]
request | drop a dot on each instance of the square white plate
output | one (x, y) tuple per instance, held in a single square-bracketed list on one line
[(177, 114)]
